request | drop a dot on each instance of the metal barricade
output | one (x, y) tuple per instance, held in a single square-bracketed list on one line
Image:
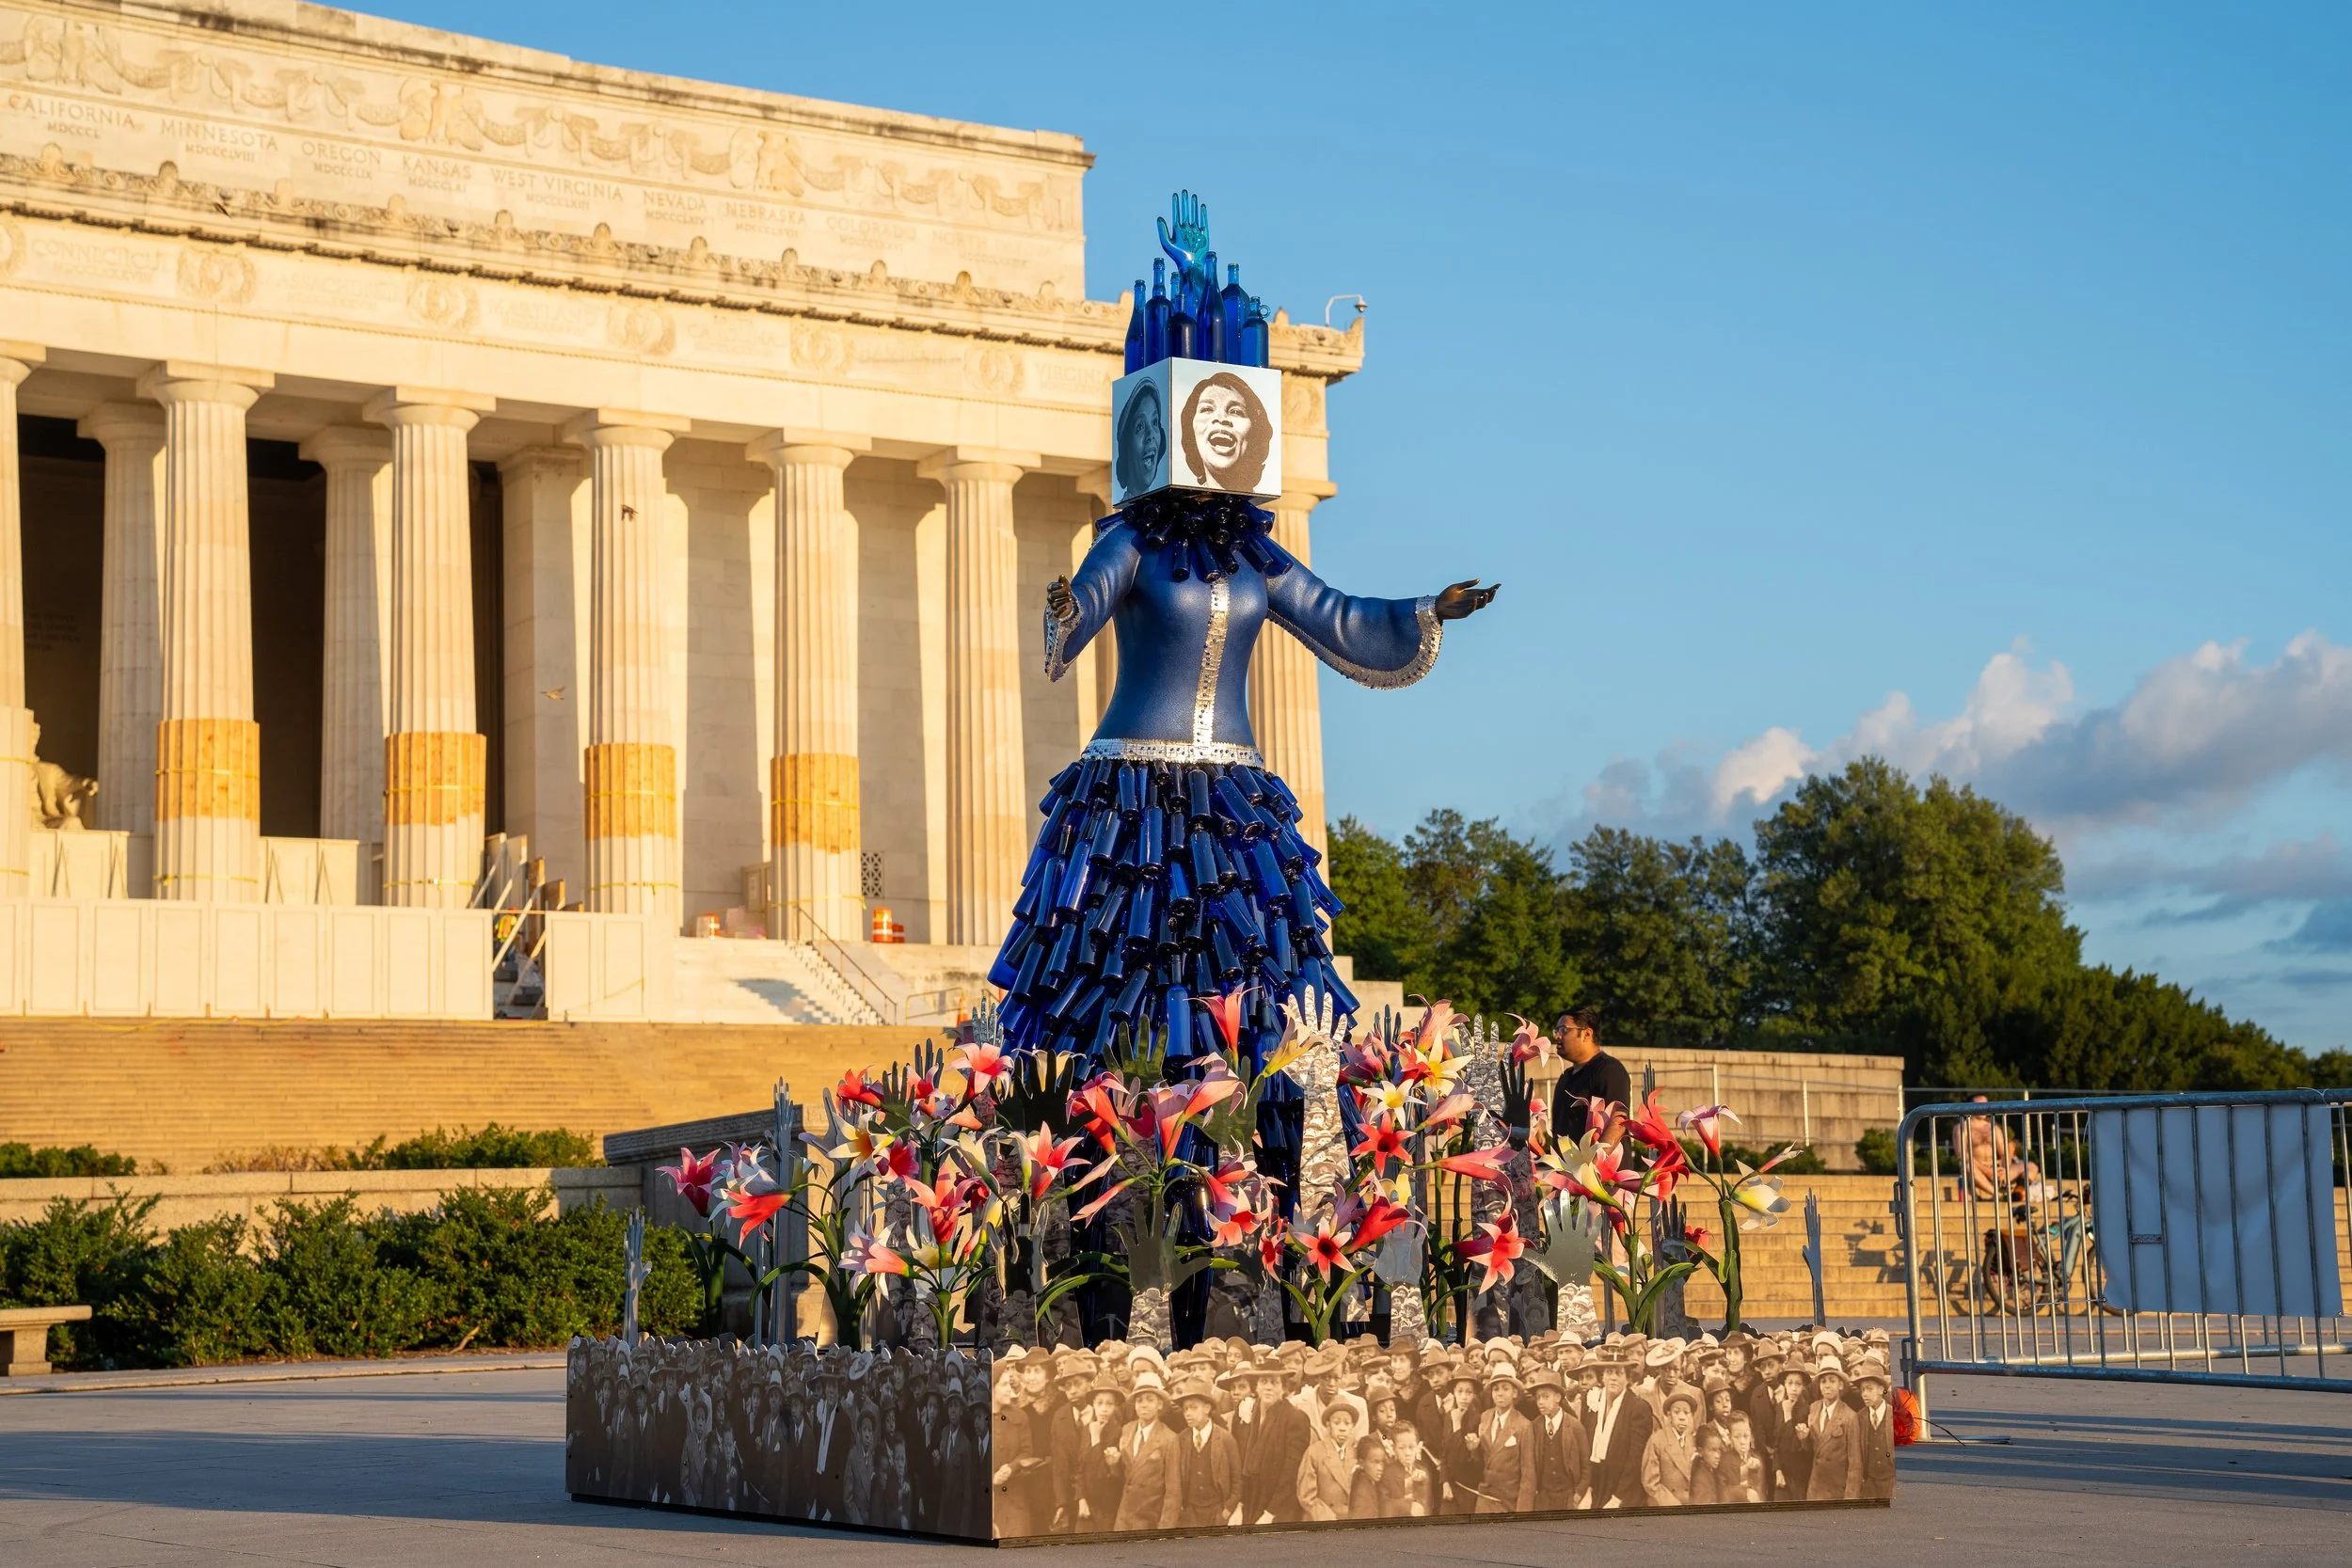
[(2197, 1238)]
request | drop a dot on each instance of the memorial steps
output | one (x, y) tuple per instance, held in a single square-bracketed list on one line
[(192, 1092)]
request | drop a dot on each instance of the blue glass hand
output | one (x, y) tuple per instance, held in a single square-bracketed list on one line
[(1189, 245)]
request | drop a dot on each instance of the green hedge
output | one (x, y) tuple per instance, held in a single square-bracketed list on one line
[(492, 1148), (23, 1160), (486, 1269)]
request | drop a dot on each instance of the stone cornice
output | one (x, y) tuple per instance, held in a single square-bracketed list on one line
[(286, 22), (163, 204)]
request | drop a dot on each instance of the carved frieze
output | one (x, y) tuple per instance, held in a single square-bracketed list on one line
[(334, 119)]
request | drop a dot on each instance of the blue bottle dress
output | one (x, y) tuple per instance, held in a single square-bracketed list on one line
[(1169, 865)]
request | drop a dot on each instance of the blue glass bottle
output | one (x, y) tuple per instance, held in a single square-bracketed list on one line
[(1156, 316), (1209, 315), (1236, 313), (1184, 327), (1257, 335), (1134, 332)]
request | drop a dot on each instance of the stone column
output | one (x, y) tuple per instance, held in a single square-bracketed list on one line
[(355, 714), (208, 749), (434, 752), (1284, 707), (630, 762), (813, 803), (130, 647), (545, 576), (988, 817), (16, 722)]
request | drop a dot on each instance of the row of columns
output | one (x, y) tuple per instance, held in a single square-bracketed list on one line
[(402, 755)]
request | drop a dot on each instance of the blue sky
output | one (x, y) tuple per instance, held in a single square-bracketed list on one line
[(1965, 384)]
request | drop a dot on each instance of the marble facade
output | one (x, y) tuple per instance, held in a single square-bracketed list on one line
[(757, 424)]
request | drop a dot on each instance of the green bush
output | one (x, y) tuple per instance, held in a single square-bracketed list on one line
[(1877, 1150), (486, 1269), (494, 1148), (23, 1160)]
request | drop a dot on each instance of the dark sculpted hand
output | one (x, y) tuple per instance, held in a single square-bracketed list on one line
[(1465, 599), (1062, 605)]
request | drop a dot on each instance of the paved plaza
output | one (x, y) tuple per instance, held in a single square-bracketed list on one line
[(457, 1468)]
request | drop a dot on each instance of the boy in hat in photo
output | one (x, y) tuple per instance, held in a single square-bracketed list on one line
[(1837, 1438), (1878, 1428), (1672, 1452), (1505, 1441), (1560, 1444), (1153, 1493), (1209, 1463)]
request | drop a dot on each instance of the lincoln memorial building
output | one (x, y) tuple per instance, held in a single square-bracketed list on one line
[(422, 457)]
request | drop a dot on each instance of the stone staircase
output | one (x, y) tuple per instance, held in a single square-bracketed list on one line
[(188, 1092), (723, 981), (1863, 1256)]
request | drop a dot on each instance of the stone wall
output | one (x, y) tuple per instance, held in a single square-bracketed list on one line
[(187, 1199)]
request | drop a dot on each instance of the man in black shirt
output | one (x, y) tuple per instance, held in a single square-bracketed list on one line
[(1592, 1073)]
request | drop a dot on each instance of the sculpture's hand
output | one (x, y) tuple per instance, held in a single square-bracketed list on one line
[(1189, 244), (1570, 1244), (1465, 599), (1060, 602)]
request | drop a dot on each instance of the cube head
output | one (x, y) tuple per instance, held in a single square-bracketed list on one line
[(1192, 425)]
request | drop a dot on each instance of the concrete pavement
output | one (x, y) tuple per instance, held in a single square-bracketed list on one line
[(466, 1468)]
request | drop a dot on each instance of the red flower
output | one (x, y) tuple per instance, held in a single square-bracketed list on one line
[(1380, 1218), (1696, 1235), (757, 1209), (693, 1178), (1325, 1250), (854, 1090), (1098, 1104), (1270, 1242), (1385, 1142), (1226, 1010), (1480, 1164), (1649, 1126), (1497, 1250)]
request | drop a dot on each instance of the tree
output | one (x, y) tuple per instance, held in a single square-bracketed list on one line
[(1464, 911), (1916, 917), (1381, 927), (1662, 934)]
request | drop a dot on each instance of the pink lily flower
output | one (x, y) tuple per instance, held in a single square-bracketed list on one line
[(983, 1066), (1385, 1142), (1497, 1250), (1706, 1121), (1043, 1160), (1479, 1164), (872, 1254), (694, 1179), (1326, 1250), (1226, 1010)]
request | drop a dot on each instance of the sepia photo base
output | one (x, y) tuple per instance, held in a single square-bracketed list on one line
[(1118, 1442)]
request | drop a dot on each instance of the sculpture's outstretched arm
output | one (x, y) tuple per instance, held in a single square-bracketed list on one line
[(1376, 642), (1076, 608)]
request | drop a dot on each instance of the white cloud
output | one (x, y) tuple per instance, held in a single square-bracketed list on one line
[(2194, 739)]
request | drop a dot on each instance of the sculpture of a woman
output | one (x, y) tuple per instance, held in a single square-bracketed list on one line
[(1169, 870), (1169, 866)]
